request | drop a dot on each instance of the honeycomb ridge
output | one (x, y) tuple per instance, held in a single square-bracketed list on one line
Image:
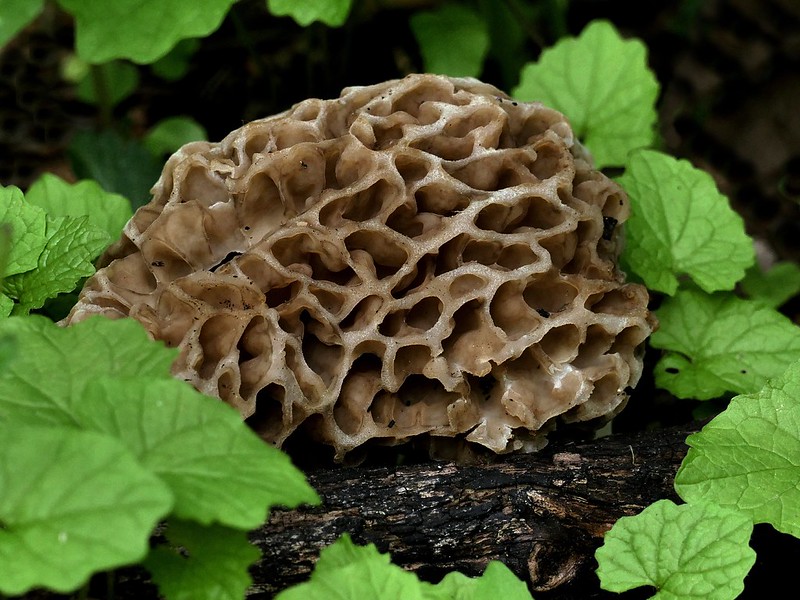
[(424, 256)]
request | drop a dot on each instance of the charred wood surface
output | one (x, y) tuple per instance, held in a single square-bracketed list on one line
[(542, 514)]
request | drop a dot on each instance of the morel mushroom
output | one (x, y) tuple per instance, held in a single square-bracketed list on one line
[(420, 257)]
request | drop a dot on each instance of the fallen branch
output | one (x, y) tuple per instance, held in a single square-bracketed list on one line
[(542, 514)]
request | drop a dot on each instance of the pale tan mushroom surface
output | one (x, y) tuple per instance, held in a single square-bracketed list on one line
[(420, 257)]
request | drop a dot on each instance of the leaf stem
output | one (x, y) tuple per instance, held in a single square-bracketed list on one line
[(243, 35), (101, 92), (83, 593), (557, 15), (111, 580), (532, 33)]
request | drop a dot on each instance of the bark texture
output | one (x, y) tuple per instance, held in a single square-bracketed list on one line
[(542, 514)]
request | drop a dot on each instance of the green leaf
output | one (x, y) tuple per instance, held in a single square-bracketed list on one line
[(140, 30), (496, 582), (331, 12), (345, 571), (28, 225), (73, 503), (776, 286), (105, 211), (720, 343), (602, 84), (119, 165), (175, 64), (6, 236), (15, 15), (748, 456), (688, 551), (681, 225), (71, 246), (206, 563), (170, 134), (8, 350), (41, 255), (218, 469), (54, 364), (6, 305), (74, 69), (453, 40), (109, 83)]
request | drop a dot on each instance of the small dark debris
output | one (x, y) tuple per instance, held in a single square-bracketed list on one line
[(609, 223), (743, 371), (390, 424), (672, 370), (544, 313), (515, 104), (157, 263), (230, 256)]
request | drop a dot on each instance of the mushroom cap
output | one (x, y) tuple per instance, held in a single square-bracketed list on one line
[(421, 257)]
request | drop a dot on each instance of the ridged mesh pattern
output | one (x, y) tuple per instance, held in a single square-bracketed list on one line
[(423, 256)]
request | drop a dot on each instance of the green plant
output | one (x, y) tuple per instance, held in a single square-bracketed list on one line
[(57, 230), (601, 82), (453, 40), (112, 42), (347, 571), (100, 443), (145, 31), (708, 556), (741, 469)]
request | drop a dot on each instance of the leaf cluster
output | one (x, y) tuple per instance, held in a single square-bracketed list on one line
[(51, 236), (100, 444), (741, 469), (144, 31)]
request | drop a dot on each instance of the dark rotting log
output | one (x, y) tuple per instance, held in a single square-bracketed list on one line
[(542, 514)]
